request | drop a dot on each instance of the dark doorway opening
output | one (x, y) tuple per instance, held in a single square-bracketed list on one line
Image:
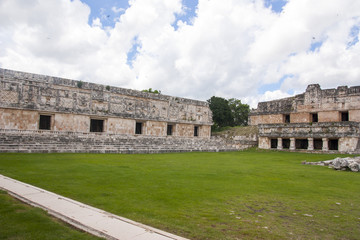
[(196, 131), (286, 143), (45, 122), (301, 144), (318, 143), (96, 125), (345, 116), (138, 128), (273, 143), (169, 130), (314, 117), (287, 118), (333, 144)]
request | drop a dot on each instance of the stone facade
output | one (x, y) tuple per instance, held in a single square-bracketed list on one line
[(72, 104), (50, 106), (317, 120)]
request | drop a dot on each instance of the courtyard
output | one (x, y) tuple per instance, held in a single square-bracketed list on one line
[(250, 194)]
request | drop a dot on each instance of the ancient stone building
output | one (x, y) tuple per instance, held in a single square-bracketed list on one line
[(49, 114), (319, 120)]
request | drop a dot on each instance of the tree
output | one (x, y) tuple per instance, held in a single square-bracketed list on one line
[(152, 91), (239, 111), (222, 115)]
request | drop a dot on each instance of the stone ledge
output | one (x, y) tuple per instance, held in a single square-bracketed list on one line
[(315, 124), (315, 130)]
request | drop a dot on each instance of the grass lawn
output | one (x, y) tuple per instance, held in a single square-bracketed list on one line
[(20, 221), (233, 195)]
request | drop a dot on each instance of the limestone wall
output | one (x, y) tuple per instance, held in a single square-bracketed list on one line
[(354, 115), (10, 119), (120, 126), (327, 103), (156, 128), (348, 144), (329, 116), (25, 96), (264, 143), (300, 117), (205, 130), (268, 118), (184, 130), (70, 122)]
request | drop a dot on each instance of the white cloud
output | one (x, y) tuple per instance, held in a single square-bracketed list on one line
[(96, 23), (231, 48), (117, 10), (271, 95), (53, 37)]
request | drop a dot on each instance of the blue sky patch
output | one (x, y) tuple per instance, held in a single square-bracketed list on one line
[(315, 46), (275, 5), (354, 35), (131, 55), (275, 86), (106, 10), (110, 10), (189, 7)]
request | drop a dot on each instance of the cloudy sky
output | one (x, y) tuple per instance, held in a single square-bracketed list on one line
[(253, 50)]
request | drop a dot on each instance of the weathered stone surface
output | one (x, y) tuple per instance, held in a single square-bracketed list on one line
[(20, 90), (314, 130), (355, 167), (325, 102), (317, 120), (73, 107), (73, 104), (348, 163), (336, 164)]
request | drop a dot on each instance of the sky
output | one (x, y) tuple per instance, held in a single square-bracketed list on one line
[(252, 50)]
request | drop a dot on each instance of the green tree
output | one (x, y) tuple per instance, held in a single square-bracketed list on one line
[(222, 115), (152, 91), (239, 111)]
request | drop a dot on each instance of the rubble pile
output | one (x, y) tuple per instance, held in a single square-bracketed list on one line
[(344, 164)]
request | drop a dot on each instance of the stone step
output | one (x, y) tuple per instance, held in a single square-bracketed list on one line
[(18, 141)]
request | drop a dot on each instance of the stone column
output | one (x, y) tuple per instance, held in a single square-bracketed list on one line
[(292, 144), (325, 146), (310, 144), (279, 145)]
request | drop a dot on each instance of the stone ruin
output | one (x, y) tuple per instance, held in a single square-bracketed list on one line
[(318, 120), (41, 113), (344, 164)]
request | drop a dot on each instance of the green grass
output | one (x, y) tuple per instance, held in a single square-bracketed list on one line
[(20, 221), (233, 195)]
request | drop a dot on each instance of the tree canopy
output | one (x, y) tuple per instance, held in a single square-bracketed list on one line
[(240, 112), (152, 91), (229, 112), (221, 112)]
